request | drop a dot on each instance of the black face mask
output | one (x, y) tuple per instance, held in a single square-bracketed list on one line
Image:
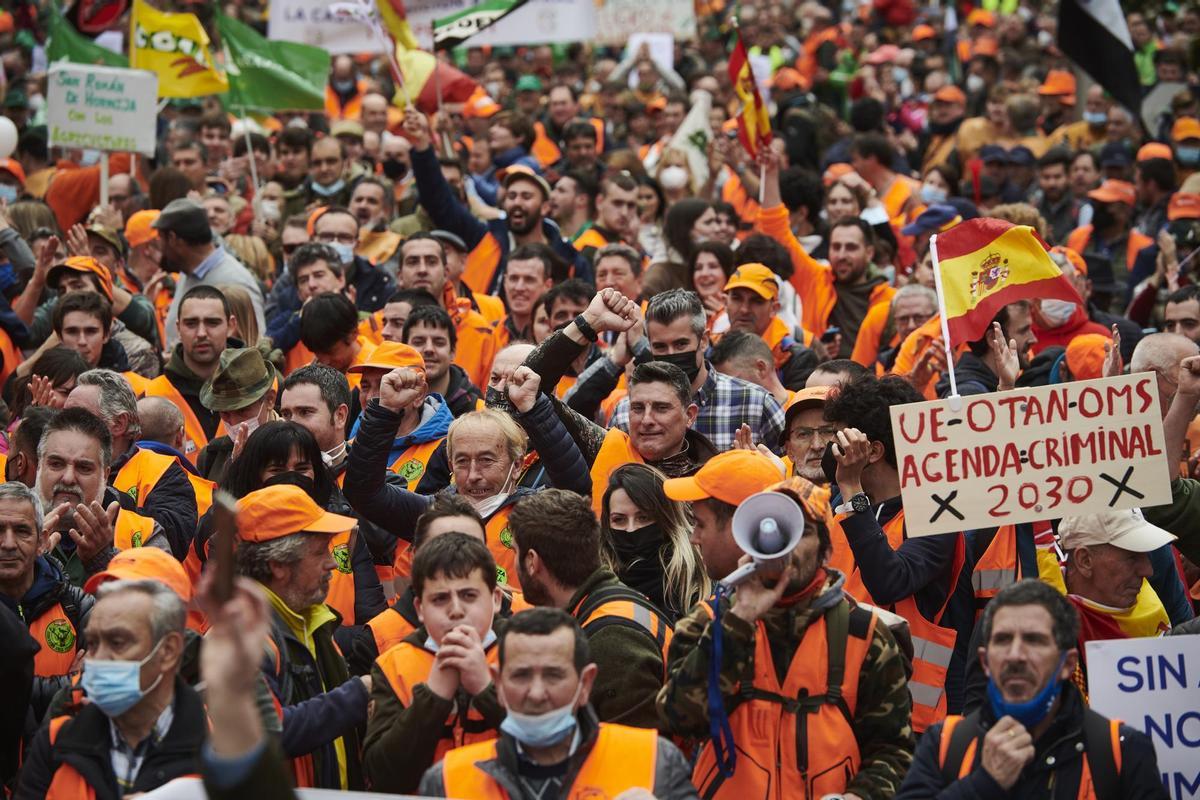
[(943, 128), (394, 169), (643, 543), (494, 398), (685, 361), (298, 479), (1101, 217)]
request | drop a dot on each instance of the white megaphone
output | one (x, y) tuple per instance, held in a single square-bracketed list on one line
[(767, 527)]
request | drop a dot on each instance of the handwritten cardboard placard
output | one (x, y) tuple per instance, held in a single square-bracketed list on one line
[(1031, 454), (102, 108), (1153, 685)]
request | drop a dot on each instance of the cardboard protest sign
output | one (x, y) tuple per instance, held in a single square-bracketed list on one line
[(1031, 454), (316, 22), (618, 20), (536, 22), (102, 108), (1153, 685)]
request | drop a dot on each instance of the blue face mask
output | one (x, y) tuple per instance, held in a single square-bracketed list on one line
[(116, 686), (932, 194), (1188, 156), (542, 730), (1095, 119), (331, 189), (1032, 711), (345, 252), (8, 193)]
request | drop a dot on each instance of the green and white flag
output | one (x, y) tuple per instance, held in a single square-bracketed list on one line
[(271, 75), (455, 29), (67, 44)]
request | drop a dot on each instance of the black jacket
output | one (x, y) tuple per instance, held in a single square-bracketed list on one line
[(172, 503), (1054, 772), (462, 396), (85, 743), (973, 376), (16, 678)]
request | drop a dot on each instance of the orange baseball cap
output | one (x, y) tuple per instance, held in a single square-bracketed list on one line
[(85, 264), (981, 16), (390, 356), (1072, 255), (1059, 83), (756, 277), (7, 23), (788, 78), (1154, 150), (1113, 191), (986, 46), (13, 166), (139, 229), (805, 398), (1183, 205), (142, 564), (950, 94), (481, 106), (923, 32), (1185, 128), (278, 511), (835, 171), (1085, 356), (730, 477)]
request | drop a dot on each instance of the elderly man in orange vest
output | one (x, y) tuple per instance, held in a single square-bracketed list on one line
[(551, 743)]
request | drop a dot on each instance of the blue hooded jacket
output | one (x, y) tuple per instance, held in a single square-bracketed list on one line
[(435, 423)]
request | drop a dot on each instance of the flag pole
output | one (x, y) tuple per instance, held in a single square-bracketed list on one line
[(249, 150), (954, 398)]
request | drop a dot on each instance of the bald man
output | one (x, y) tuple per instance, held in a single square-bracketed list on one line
[(162, 422)]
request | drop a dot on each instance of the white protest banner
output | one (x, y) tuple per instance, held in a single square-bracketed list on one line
[(618, 20), (1031, 454), (536, 22), (660, 45), (1153, 684), (102, 108), (315, 22)]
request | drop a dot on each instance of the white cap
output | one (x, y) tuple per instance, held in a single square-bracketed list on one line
[(1127, 530)]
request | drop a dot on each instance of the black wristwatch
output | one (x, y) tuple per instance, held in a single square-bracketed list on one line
[(587, 330), (858, 504)]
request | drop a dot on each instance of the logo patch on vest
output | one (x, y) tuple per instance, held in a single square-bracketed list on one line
[(60, 636), (132, 492), (411, 470), (501, 574), (135, 540), (341, 555), (506, 537)]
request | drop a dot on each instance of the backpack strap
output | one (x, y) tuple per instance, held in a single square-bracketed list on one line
[(1102, 743), (607, 594), (957, 738), (837, 632)]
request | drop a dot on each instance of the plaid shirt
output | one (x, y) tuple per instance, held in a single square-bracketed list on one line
[(127, 761), (725, 403)]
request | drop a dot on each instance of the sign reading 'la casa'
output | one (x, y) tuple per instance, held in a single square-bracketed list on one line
[(1031, 454)]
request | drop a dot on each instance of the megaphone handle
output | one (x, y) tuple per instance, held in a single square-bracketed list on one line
[(739, 575)]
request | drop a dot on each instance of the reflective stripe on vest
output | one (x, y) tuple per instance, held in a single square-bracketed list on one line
[(55, 632), (658, 628), (768, 730), (933, 645), (622, 758), (133, 530), (67, 783), (141, 473), (194, 439), (406, 665), (340, 596), (615, 451)]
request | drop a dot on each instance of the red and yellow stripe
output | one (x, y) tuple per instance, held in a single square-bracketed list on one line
[(754, 124), (985, 264)]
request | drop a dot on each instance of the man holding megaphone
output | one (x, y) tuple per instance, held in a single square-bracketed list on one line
[(807, 695)]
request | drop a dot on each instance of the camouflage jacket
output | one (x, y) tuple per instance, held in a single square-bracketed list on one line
[(882, 714)]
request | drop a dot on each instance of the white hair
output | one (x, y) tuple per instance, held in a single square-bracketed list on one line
[(1161, 352)]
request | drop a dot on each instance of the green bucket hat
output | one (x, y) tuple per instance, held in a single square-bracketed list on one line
[(243, 376)]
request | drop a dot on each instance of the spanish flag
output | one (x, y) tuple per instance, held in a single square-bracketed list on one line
[(984, 264), (395, 20), (175, 46), (754, 124)]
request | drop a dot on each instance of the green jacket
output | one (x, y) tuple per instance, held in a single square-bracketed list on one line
[(882, 715), (1181, 517)]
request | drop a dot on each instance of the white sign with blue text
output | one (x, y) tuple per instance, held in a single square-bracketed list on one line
[(1154, 685)]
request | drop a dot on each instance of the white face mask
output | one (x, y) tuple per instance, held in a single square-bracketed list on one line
[(330, 457), (975, 83), (1057, 312), (673, 177), (491, 505)]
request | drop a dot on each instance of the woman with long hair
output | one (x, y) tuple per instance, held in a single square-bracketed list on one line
[(711, 266), (644, 537)]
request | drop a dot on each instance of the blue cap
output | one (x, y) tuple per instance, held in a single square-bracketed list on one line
[(1021, 156), (1115, 154), (993, 153), (932, 219)]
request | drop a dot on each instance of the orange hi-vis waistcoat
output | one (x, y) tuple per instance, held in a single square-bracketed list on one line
[(141, 473), (340, 596), (298, 356), (203, 488), (10, 356), (500, 543), (389, 627), (622, 758), (136, 382), (548, 153), (1079, 239), (999, 566), (482, 262), (796, 740), (933, 645), (959, 753), (132, 530), (407, 665), (67, 783), (590, 238), (620, 605), (411, 466), (57, 635), (615, 451), (194, 439)]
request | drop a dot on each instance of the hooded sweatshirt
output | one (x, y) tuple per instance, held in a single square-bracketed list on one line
[(435, 423)]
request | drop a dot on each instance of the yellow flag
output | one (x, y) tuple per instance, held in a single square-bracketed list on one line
[(176, 47)]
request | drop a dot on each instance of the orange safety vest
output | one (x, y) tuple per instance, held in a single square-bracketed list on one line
[(204, 493), (548, 153), (67, 783), (353, 108), (10, 356), (590, 238), (407, 665), (133, 530), (615, 451), (476, 348), (746, 207), (933, 645), (971, 755), (411, 466), (622, 758), (194, 439), (141, 473), (621, 605), (999, 566), (491, 307), (806, 64), (500, 543), (340, 596), (482, 262), (57, 635), (137, 382), (795, 740), (1080, 237), (297, 357), (389, 627), (896, 198)]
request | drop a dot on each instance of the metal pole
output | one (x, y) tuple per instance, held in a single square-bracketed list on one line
[(954, 398)]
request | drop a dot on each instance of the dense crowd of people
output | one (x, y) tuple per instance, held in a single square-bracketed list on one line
[(399, 449)]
